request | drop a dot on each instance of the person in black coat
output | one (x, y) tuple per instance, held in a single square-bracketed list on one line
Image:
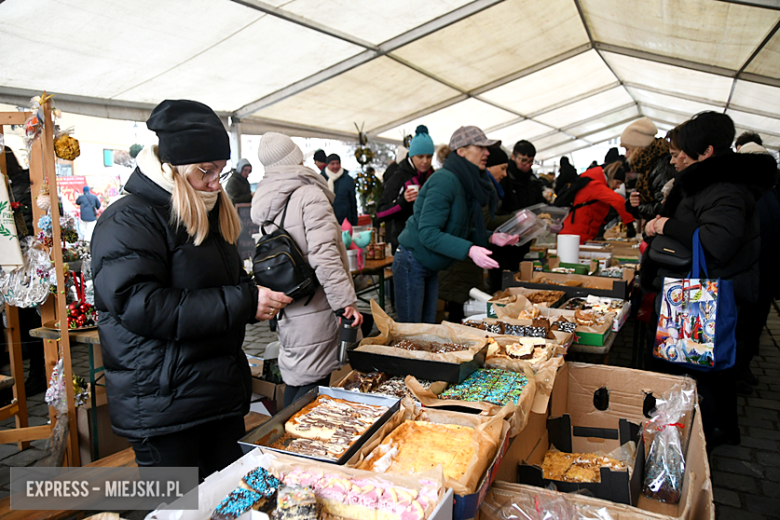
[(400, 190), (343, 185), (174, 299), (753, 316), (716, 193), (521, 187), (567, 175)]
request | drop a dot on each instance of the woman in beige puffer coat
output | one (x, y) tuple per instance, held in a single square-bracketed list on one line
[(308, 333)]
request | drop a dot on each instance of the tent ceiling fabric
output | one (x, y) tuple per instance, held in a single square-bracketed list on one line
[(564, 74)]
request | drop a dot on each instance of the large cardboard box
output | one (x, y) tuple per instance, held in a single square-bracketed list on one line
[(622, 393), (108, 442), (578, 285)]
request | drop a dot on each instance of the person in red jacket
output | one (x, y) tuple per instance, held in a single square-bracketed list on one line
[(591, 205)]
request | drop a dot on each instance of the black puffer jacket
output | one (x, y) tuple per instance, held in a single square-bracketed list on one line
[(172, 317), (661, 173), (521, 189), (718, 196), (393, 209)]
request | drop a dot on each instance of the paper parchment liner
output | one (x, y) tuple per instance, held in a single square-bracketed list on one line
[(279, 464), (390, 331), (485, 441), (510, 312), (545, 368), (516, 415), (513, 296), (561, 338)]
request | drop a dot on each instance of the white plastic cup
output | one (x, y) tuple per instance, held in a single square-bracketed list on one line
[(569, 248), (353, 260), (413, 188)]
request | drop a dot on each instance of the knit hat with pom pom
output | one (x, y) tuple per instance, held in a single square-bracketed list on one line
[(422, 144)]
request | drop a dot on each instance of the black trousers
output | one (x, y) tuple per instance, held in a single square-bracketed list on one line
[(752, 319), (210, 447), (293, 393)]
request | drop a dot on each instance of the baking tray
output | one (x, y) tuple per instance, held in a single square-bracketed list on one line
[(274, 427), (419, 368)]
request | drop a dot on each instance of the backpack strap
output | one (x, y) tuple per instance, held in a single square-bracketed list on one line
[(574, 208), (283, 212)]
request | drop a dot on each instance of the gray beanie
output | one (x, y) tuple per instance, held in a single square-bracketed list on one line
[(277, 149)]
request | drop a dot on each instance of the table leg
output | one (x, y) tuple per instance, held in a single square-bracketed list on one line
[(94, 411), (382, 288)]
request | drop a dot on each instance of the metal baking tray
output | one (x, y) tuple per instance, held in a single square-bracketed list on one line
[(419, 368), (271, 430)]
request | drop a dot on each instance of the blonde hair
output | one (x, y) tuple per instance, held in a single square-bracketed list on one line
[(190, 211)]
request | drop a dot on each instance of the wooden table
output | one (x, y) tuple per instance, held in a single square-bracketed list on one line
[(372, 268), (91, 339)]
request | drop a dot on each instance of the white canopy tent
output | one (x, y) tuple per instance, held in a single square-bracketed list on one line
[(564, 74)]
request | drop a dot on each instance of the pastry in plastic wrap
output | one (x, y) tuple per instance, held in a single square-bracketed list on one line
[(296, 503), (577, 467)]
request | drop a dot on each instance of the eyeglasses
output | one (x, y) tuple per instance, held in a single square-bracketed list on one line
[(210, 175), (527, 161)]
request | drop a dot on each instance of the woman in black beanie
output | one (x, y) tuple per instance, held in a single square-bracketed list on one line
[(174, 299)]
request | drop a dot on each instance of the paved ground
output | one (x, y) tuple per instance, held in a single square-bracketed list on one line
[(746, 478)]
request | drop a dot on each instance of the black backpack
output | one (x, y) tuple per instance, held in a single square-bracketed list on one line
[(566, 196), (279, 265)]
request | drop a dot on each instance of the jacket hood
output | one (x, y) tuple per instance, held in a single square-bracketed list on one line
[(596, 175), (280, 181), (757, 171), (241, 164)]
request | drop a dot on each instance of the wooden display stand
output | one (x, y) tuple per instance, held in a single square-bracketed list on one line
[(42, 170)]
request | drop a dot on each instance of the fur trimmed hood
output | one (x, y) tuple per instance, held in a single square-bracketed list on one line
[(757, 171)]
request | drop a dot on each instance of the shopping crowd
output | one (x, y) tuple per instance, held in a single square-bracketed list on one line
[(174, 298)]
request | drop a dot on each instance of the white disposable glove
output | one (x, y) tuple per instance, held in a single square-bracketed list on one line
[(481, 257)]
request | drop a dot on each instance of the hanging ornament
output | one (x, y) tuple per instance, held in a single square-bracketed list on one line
[(34, 124), (65, 146)]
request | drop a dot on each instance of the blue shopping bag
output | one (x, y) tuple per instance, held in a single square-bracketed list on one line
[(698, 319)]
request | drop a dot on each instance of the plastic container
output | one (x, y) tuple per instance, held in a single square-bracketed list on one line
[(521, 223), (556, 214)]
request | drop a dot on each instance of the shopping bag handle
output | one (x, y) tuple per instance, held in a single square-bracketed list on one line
[(699, 261)]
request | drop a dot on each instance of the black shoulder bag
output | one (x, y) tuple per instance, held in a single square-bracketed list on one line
[(668, 252)]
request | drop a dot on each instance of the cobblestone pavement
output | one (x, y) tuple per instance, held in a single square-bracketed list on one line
[(746, 478)]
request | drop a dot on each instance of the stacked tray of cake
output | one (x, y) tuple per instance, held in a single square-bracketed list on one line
[(450, 351), (328, 424), (487, 391)]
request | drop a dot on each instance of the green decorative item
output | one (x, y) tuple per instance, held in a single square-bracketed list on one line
[(135, 150)]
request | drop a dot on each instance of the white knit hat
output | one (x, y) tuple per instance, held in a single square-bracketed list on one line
[(277, 149), (639, 134)]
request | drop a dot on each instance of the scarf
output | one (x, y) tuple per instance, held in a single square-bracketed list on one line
[(333, 177), (162, 175), (479, 190), (497, 186)]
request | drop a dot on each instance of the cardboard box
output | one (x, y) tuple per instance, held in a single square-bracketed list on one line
[(530, 498), (465, 506), (626, 391), (272, 391), (571, 437), (579, 285), (622, 314), (596, 336), (108, 442), (217, 486)]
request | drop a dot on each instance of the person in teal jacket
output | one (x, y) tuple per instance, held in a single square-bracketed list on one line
[(447, 225)]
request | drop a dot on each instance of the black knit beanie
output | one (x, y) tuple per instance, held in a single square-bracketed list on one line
[(189, 132), (333, 157), (320, 156), (497, 156)]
